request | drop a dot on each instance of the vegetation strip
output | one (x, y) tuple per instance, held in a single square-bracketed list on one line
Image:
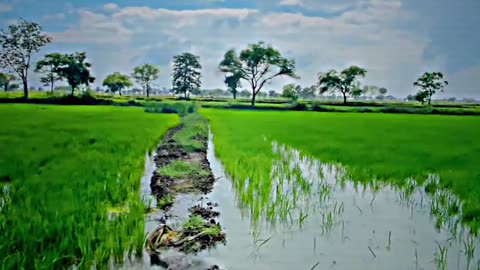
[(183, 168)]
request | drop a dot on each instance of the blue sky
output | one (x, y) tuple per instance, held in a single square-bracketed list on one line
[(396, 40)]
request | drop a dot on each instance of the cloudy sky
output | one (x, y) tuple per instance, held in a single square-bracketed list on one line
[(396, 40)]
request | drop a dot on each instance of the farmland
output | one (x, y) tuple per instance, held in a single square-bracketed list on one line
[(67, 168), (390, 148)]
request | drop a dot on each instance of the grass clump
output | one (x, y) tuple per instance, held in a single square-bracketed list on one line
[(181, 108), (180, 169), (192, 136), (166, 202), (68, 166)]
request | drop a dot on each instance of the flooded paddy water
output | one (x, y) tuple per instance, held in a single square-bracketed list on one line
[(311, 216)]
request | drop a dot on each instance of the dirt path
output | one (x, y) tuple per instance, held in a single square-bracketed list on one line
[(183, 168)]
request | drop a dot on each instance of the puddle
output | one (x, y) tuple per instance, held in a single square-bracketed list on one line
[(310, 216)]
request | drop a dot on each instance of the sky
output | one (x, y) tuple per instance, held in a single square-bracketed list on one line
[(395, 40)]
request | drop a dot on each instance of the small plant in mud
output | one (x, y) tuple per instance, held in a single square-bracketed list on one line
[(181, 169), (201, 234), (165, 202)]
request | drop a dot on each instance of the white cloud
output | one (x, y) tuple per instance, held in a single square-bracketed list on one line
[(110, 7), (291, 3), (365, 35), (4, 7)]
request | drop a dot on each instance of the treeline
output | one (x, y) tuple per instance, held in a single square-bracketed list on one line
[(255, 67)]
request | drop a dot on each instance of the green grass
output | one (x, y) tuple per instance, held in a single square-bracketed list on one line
[(389, 147), (68, 168), (181, 169), (188, 137), (166, 202)]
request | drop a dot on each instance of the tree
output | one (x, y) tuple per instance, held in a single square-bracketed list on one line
[(47, 66), (17, 45), (343, 82), (291, 91), (5, 81), (233, 82), (272, 94), (258, 64), (74, 68), (370, 90), (245, 93), (357, 92), (116, 82), (186, 74), (145, 75), (308, 92), (430, 83), (421, 96), (382, 91)]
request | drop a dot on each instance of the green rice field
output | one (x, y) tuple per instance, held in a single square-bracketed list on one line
[(69, 170), (386, 147)]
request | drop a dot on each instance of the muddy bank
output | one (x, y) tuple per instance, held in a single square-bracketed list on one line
[(183, 170)]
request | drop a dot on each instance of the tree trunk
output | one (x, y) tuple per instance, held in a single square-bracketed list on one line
[(25, 88), (73, 90), (344, 98), (5, 87), (148, 91), (253, 98), (185, 94), (429, 100), (234, 94), (51, 88), (120, 92)]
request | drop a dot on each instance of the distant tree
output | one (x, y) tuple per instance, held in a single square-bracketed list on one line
[(430, 83), (145, 75), (382, 91), (421, 96), (17, 45), (291, 91), (370, 91), (307, 92), (258, 64), (272, 94), (245, 93), (47, 66), (233, 82), (343, 82), (357, 92), (186, 74), (6, 80), (116, 82), (13, 86), (75, 70)]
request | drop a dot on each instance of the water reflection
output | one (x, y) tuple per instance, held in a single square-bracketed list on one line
[(311, 214)]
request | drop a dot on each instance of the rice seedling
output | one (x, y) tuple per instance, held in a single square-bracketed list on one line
[(69, 167)]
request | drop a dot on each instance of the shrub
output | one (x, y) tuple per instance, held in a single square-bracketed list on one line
[(182, 108), (298, 106)]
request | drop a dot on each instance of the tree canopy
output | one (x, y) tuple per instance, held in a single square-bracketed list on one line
[(116, 82), (17, 45), (258, 64), (74, 68), (291, 91), (186, 74), (430, 83), (344, 82), (48, 66), (145, 75)]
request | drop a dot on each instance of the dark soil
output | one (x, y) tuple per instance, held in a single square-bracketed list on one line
[(205, 212)]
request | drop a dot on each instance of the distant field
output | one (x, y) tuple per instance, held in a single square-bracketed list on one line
[(66, 166), (384, 146)]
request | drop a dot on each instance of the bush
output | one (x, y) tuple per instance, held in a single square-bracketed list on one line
[(182, 108), (298, 106), (318, 108)]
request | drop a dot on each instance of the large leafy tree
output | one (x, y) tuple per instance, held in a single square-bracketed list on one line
[(145, 75), (344, 82), (430, 83), (75, 69), (258, 64), (5, 80), (47, 67), (186, 74), (116, 82), (17, 45)]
